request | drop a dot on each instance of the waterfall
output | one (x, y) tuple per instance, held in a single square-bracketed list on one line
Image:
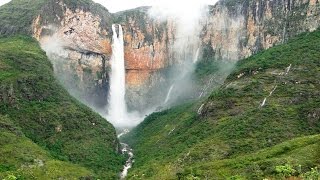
[(117, 112), (288, 69), (196, 57), (263, 102), (169, 94), (200, 109), (117, 106)]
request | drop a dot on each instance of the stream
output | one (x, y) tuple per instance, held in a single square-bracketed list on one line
[(125, 149)]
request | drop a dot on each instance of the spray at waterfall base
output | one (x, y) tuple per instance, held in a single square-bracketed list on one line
[(117, 112)]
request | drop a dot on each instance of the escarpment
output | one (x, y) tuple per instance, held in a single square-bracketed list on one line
[(77, 37), (238, 29)]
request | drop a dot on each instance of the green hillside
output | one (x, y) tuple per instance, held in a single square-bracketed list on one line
[(233, 135), (23, 159), (17, 16), (41, 122)]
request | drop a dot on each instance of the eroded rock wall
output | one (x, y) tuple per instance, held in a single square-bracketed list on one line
[(76, 38), (232, 30), (238, 29)]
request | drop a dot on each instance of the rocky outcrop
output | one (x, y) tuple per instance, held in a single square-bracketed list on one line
[(76, 38), (238, 29)]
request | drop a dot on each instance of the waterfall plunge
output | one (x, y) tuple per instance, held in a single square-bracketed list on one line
[(117, 112), (117, 109)]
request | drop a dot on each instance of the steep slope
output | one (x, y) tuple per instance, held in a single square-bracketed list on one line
[(23, 159), (34, 101), (270, 98), (20, 16), (17, 16), (236, 29), (75, 34)]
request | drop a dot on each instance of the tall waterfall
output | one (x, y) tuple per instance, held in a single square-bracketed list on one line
[(117, 111)]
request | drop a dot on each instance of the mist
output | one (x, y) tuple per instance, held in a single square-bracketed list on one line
[(188, 23), (187, 52)]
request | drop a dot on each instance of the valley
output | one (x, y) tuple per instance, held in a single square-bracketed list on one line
[(228, 90)]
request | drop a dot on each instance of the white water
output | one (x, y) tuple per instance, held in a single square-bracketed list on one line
[(169, 94), (117, 111), (171, 131), (288, 69), (275, 87), (196, 57), (200, 109), (263, 102), (124, 132), (126, 150)]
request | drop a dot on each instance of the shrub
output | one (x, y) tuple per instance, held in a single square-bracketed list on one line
[(285, 171)]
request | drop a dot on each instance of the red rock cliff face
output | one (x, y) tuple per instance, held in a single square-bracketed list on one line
[(147, 55), (231, 30), (76, 38), (147, 44)]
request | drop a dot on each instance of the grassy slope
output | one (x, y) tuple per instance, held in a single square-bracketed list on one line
[(24, 159), (16, 17), (33, 100), (217, 143)]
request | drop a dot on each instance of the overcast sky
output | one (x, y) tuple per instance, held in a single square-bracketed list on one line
[(3, 2), (119, 5)]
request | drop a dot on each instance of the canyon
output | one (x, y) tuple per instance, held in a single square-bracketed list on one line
[(172, 87), (229, 31)]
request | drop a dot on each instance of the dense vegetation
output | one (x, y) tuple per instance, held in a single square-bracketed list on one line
[(262, 123), (41, 123), (23, 159), (17, 16), (236, 134)]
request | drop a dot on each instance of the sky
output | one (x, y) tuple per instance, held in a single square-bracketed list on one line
[(119, 5), (3, 2)]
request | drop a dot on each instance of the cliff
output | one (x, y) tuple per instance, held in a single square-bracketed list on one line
[(231, 30), (146, 54), (238, 29), (74, 35), (77, 37)]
